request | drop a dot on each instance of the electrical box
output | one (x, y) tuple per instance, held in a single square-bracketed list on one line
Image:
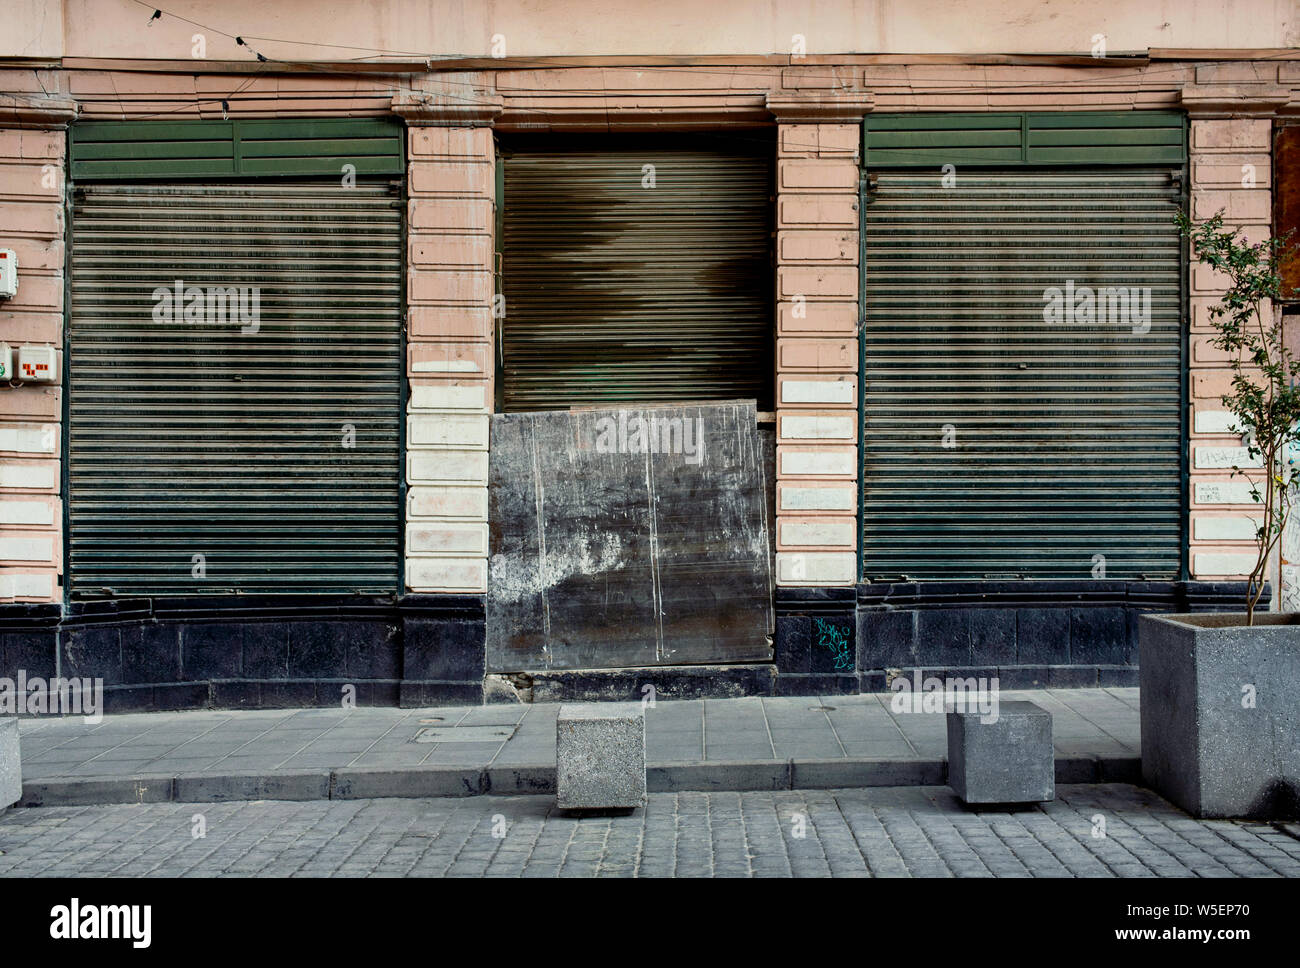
[(38, 364), (8, 273), (6, 363)]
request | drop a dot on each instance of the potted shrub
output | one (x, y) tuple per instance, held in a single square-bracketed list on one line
[(1221, 691)]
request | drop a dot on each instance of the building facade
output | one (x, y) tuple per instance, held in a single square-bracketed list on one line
[(282, 295)]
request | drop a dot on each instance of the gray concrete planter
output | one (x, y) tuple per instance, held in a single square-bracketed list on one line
[(11, 763), (1204, 745)]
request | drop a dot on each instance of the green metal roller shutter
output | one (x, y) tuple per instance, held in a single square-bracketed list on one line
[(615, 292), (1019, 139), (170, 150), (1068, 436), (196, 438)]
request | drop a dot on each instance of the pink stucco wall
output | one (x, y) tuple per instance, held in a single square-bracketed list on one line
[(816, 104), (308, 29)]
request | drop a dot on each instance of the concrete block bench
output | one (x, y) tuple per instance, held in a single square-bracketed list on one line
[(600, 756), (11, 768), (1007, 761)]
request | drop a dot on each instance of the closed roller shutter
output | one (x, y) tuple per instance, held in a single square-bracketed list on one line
[(210, 150), (617, 292), (273, 454), (1063, 437)]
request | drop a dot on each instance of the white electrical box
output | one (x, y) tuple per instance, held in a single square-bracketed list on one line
[(6, 363), (38, 364), (8, 273)]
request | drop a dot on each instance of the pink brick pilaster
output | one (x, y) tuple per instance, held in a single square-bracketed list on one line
[(1230, 147), (450, 290), (817, 342), (32, 142)]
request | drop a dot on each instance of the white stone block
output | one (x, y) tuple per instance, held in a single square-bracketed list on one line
[(446, 538), (446, 467), (832, 532), (26, 512), (1214, 422), (447, 430), (27, 549), (29, 438), (817, 391), (832, 498), (1223, 492), (42, 475), (1221, 564), (816, 567), (797, 463), (462, 502), (19, 584), (444, 366), (1225, 457), (446, 574), (1224, 529), (449, 398), (818, 428)]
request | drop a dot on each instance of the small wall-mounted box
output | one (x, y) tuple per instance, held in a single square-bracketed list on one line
[(38, 364), (6, 363), (8, 273)]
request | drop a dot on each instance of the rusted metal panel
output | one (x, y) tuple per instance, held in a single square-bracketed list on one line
[(608, 554), (637, 271)]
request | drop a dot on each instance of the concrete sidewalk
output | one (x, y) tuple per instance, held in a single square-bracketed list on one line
[(702, 745)]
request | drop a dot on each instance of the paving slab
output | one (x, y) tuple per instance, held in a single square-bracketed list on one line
[(752, 743)]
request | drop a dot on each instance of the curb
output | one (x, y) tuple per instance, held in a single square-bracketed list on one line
[(356, 783)]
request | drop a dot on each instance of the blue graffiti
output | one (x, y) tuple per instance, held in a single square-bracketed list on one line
[(835, 639)]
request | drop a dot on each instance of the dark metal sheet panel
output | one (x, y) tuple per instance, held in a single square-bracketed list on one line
[(272, 451), (604, 555), (617, 292), (997, 442)]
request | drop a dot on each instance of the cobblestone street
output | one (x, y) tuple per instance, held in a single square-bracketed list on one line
[(1109, 830)]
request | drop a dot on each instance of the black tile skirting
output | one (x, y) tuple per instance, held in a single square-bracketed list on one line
[(273, 651), (1027, 633), (416, 650)]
